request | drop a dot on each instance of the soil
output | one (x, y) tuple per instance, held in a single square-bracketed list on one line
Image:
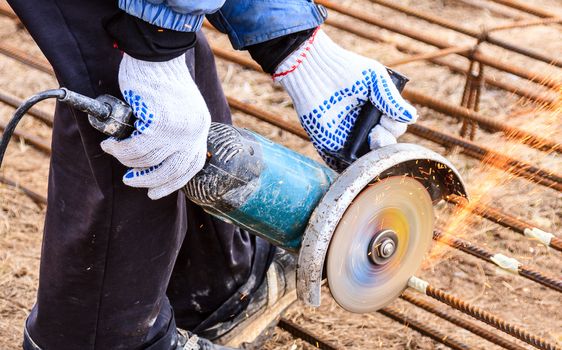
[(518, 300)]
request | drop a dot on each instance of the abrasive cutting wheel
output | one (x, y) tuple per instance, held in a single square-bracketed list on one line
[(379, 244)]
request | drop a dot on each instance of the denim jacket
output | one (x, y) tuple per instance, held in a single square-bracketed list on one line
[(247, 22)]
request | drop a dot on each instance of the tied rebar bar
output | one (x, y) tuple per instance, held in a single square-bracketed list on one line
[(506, 263), (509, 221), (423, 328), (489, 318), (489, 157), (461, 322)]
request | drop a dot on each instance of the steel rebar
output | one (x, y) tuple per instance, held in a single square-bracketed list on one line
[(26, 58), (36, 197), (510, 132), (490, 157), (533, 10), (424, 287), (423, 329), (429, 55), (299, 332), (469, 32), (507, 263), (461, 322), (440, 43), (32, 140), (509, 221)]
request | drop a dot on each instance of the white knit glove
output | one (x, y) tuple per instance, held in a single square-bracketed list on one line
[(169, 145), (329, 85)]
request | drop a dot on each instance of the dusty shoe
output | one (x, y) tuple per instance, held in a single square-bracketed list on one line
[(251, 328), (189, 341)]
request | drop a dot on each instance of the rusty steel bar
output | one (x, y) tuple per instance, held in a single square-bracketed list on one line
[(26, 58), (506, 220), (34, 112), (507, 263), (510, 132), (299, 332), (36, 197), (33, 140), (437, 105), (524, 7), (545, 98), (429, 55), (469, 32), (424, 287), (493, 8), (490, 80), (492, 158), (556, 243), (461, 322), (526, 23), (423, 329), (434, 41)]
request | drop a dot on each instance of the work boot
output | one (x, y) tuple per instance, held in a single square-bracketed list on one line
[(251, 328), (190, 341)]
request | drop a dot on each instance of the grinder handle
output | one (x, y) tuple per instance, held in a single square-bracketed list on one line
[(357, 143)]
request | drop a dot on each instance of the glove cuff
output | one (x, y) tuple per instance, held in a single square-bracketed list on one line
[(311, 54)]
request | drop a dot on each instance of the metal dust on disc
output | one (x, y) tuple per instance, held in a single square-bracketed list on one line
[(379, 244)]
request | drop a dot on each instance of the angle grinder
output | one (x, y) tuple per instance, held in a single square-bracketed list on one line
[(365, 227)]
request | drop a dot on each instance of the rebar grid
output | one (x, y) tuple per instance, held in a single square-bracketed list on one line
[(299, 132), (461, 322)]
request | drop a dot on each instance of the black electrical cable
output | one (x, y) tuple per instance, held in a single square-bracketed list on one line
[(20, 112)]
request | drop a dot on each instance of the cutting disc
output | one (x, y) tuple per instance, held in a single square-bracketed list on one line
[(379, 244)]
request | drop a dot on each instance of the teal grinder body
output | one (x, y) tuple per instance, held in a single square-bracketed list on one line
[(259, 185)]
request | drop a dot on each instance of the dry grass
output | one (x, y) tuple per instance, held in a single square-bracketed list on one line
[(516, 299)]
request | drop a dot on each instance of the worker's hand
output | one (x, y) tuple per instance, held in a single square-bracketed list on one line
[(329, 85), (169, 145)]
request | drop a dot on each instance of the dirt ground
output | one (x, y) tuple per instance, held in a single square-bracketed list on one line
[(512, 297)]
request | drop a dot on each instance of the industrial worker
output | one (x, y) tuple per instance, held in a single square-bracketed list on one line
[(126, 260)]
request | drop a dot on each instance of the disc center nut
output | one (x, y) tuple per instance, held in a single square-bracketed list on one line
[(382, 247)]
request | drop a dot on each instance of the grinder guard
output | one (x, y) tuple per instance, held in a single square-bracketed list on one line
[(436, 173)]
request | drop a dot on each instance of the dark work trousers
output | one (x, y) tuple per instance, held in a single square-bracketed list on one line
[(114, 263)]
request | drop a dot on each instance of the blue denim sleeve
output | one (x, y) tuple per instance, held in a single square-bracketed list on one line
[(179, 15), (249, 22)]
